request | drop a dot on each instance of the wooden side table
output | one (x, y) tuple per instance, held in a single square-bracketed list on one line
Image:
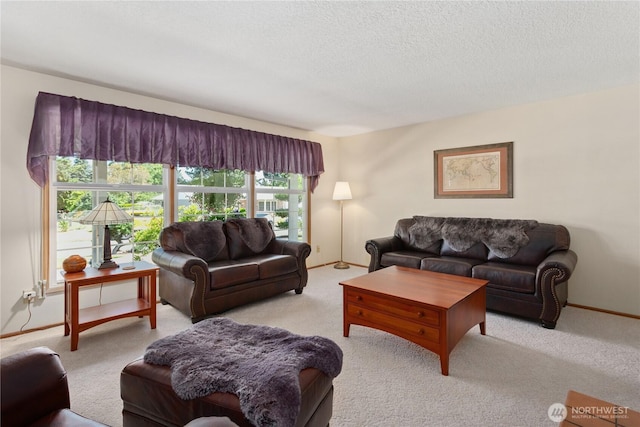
[(588, 411), (77, 320)]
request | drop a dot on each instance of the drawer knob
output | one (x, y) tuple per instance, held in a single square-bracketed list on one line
[(421, 332), (358, 298), (359, 312), (421, 314)]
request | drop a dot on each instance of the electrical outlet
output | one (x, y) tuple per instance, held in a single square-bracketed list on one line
[(28, 295)]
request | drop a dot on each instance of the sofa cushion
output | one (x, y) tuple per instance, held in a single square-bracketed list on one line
[(203, 239), (502, 236), (478, 251), (450, 265), (228, 273), (516, 278), (248, 236), (415, 238), (410, 259), (274, 265), (543, 240), (423, 233)]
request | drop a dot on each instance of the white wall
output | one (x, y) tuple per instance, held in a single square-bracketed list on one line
[(20, 210), (576, 163)]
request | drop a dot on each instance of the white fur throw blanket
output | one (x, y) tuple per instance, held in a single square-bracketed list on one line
[(259, 364)]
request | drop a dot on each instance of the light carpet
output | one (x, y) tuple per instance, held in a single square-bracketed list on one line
[(509, 377)]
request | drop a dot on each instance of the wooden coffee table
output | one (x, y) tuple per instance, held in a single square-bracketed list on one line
[(433, 310)]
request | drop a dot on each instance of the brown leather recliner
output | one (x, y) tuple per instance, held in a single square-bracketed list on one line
[(35, 391)]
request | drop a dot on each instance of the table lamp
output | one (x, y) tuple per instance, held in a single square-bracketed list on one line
[(106, 213)]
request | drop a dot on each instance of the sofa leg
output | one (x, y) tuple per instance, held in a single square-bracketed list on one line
[(298, 291), (164, 301), (548, 324)]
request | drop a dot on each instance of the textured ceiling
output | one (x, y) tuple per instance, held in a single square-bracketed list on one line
[(336, 68)]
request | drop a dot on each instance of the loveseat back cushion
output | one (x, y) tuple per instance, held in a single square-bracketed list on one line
[(248, 236), (515, 278), (413, 237), (543, 240), (203, 239)]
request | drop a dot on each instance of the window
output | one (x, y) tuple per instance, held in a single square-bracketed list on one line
[(79, 186), (282, 198), (144, 191), (207, 194)]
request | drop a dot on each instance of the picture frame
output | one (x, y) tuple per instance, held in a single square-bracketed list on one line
[(481, 171)]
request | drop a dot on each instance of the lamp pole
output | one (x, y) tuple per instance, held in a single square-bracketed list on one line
[(341, 264), (341, 192)]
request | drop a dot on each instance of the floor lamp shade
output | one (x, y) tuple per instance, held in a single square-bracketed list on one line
[(106, 213), (341, 192)]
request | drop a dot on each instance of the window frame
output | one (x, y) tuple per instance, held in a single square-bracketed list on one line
[(303, 192), (50, 229), (169, 189)]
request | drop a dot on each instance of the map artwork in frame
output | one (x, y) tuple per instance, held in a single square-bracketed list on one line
[(482, 171)]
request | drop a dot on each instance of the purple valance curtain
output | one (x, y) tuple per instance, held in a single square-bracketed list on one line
[(69, 126)]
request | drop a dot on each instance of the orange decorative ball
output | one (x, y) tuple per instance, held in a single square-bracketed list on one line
[(74, 263)]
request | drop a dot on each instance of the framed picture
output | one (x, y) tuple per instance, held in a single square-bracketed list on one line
[(482, 171)]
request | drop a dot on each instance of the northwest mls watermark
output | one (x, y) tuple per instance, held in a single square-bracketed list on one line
[(558, 412)]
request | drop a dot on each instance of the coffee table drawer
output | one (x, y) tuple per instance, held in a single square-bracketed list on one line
[(396, 325), (405, 310)]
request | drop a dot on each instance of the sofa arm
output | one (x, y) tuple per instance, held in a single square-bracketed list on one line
[(552, 271), (34, 384), (185, 265), (376, 247), (299, 250)]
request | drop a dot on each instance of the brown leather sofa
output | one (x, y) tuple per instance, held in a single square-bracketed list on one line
[(212, 266), (149, 400), (35, 391), (528, 264)]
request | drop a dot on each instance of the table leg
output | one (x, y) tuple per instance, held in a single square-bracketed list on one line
[(152, 299), (444, 363), (142, 290), (74, 291), (345, 309), (482, 328), (66, 309)]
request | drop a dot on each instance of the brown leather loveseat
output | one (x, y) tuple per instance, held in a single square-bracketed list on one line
[(212, 266), (528, 264)]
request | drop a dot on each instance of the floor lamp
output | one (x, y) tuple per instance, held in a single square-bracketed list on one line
[(106, 213), (341, 192)]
